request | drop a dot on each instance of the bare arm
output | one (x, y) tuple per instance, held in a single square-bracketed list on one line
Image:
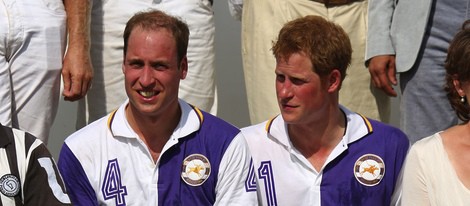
[(77, 70)]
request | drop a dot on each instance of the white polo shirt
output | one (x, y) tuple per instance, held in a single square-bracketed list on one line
[(205, 162), (361, 170)]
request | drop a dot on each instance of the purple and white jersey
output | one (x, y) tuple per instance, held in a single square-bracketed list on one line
[(361, 170), (205, 162)]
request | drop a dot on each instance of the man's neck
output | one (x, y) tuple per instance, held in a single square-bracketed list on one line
[(315, 141), (155, 131)]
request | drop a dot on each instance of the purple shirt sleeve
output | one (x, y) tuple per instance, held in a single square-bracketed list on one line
[(76, 181)]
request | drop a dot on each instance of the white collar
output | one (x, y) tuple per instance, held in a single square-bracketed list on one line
[(190, 121), (357, 127)]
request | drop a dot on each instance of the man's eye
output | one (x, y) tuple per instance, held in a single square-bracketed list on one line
[(297, 81), (159, 66), (280, 78), (136, 65)]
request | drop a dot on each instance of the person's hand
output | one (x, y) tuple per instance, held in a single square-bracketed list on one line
[(77, 73), (382, 71)]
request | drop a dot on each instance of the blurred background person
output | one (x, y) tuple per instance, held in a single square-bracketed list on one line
[(28, 173), (32, 46), (437, 169), (411, 37), (261, 22)]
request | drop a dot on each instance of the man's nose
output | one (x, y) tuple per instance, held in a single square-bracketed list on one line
[(147, 76)]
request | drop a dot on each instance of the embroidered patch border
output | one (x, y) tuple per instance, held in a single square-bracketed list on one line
[(9, 185), (369, 169), (196, 169)]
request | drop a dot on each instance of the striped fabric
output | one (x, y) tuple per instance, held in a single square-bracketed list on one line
[(28, 174)]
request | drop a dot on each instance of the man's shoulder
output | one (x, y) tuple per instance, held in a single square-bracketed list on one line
[(259, 140), (88, 133), (260, 127), (384, 128), (84, 147), (388, 135), (16, 135), (255, 130), (217, 124)]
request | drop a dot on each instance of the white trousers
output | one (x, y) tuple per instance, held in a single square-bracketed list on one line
[(32, 43), (109, 18), (261, 22)]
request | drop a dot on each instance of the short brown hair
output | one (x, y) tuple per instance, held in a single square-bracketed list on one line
[(457, 67), (326, 43), (154, 20)]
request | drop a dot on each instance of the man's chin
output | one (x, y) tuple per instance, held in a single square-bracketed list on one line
[(144, 109), (289, 118)]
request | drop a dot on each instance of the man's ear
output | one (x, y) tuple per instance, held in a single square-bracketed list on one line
[(183, 67), (334, 81)]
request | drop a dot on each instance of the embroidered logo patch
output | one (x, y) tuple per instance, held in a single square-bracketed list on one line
[(196, 169), (9, 185), (369, 169)]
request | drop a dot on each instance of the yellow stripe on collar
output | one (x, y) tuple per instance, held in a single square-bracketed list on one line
[(199, 113), (269, 123), (369, 125), (110, 120)]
